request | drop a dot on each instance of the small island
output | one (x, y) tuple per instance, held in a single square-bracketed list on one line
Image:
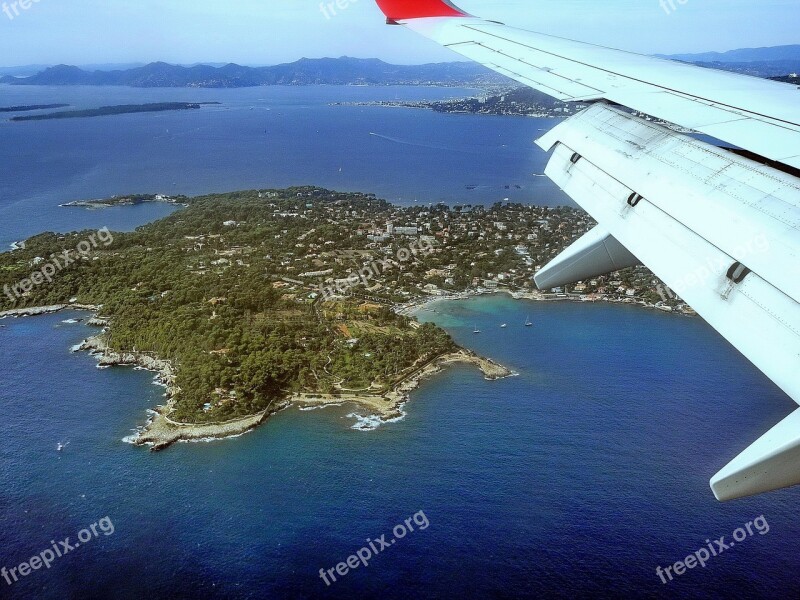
[(122, 109), (30, 107), (248, 302), (125, 200)]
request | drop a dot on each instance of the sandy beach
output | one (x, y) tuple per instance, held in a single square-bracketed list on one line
[(425, 303)]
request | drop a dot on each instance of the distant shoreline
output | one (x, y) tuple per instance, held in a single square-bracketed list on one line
[(130, 200)]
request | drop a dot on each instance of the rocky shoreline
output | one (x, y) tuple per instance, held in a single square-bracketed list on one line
[(36, 311), (160, 431), (388, 406)]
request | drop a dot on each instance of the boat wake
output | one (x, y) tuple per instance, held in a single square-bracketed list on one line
[(420, 144)]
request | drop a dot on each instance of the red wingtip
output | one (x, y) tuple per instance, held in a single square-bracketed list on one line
[(400, 10)]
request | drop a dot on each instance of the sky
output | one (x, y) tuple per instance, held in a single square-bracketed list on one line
[(264, 32)]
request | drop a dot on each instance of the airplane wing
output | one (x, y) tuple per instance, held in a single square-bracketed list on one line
[(719, 225)]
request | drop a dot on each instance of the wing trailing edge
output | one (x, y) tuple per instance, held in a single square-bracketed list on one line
[(721, 230)]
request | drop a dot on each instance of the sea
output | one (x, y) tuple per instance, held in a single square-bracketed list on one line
[(578, 477), (265, 137)]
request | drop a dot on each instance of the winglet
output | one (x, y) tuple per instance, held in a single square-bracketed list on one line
[(769, 464), (595, 254), (401, 10)]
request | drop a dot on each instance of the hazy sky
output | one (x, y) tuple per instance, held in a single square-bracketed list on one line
[(275, 31)]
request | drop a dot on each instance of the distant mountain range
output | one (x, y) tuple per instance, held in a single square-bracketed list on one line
[(743, 55), (331, 71), (761, 62), (770, 68)]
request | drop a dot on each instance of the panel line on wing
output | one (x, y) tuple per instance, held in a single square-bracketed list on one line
[(547, 70), (695, 97)]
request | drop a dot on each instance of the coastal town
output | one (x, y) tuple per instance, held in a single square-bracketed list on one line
[(497, 101), (449, 251), (359, 246)]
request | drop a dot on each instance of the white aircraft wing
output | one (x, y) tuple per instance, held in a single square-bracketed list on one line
[(720, 226)]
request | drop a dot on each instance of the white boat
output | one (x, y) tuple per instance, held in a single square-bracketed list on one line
[(476, 330), (528, 322), (503, 326)]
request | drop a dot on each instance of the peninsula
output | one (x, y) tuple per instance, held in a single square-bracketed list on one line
[(246, 302), (516, 102)]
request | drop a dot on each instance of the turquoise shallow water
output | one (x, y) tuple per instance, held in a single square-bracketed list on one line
[(575, 479)]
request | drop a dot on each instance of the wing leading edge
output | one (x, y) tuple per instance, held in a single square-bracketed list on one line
[(720, 229), (719, 104)]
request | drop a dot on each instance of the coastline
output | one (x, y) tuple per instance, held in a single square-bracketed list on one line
[(35, 311), (388, 406), (424, 303), (117, 202), (160, 432)]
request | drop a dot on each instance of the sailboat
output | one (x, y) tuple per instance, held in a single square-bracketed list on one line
[(476, 330), (528, 322)]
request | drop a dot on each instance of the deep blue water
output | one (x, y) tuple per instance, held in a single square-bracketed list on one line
[(575, 479), (257, 137)]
